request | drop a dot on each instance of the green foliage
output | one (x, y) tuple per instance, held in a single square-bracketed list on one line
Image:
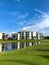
[(46, 37)]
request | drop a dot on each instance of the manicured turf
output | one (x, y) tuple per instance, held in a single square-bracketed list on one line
[(34, 55), (6, 41)]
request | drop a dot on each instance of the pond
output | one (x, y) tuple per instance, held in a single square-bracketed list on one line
[(4, 47)]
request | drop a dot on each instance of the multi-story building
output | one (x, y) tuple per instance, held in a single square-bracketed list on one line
[(24, 35), (14, 36), (2, 36)]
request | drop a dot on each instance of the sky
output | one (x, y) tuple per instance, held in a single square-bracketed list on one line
[(17, 15)]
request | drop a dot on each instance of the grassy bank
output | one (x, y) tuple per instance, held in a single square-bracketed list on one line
[(6, 41), (34, 55)]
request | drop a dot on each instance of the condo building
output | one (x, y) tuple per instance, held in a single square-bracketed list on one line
[(24, 35), (2, 35)]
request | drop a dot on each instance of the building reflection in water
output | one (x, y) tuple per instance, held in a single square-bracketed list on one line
[(13, 46)]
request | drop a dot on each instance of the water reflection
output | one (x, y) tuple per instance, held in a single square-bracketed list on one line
[(12, 46)]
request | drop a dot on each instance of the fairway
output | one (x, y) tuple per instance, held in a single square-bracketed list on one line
[(33, 55)]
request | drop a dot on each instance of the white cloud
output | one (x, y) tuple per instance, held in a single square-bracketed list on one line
[(39, 11), (24, 15), (44, 23), (26, 28), (18, 1), (41, 24), (23, 22)]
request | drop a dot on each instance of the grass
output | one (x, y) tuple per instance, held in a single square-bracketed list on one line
[(34, 55), (6, 41)]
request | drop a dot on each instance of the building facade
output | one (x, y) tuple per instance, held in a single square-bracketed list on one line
[(2, 36), (24, 35)]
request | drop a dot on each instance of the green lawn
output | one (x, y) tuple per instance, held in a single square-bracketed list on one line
[(34, 55), (6, 41)]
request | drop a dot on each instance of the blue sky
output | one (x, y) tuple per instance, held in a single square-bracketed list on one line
[(17, 15)]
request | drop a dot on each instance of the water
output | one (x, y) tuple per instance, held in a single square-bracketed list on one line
[(12, 46)]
